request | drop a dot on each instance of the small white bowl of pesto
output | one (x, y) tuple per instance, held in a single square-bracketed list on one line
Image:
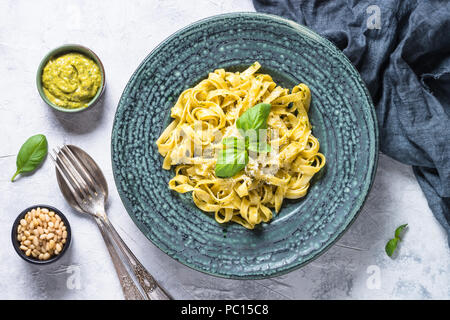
[(71, 78)]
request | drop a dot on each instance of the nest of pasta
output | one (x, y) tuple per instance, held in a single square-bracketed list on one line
[(207, 113)]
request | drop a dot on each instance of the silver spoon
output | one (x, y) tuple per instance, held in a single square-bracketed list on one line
[(84, 186)]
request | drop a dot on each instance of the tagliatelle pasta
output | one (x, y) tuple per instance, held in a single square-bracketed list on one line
[(207, 113)]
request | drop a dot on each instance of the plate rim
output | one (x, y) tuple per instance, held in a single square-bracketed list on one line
[(374, 158)]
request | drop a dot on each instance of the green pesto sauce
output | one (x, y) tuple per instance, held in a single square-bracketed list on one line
[(71, 80)]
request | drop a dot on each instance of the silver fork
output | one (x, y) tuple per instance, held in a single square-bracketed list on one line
[(84, 186)]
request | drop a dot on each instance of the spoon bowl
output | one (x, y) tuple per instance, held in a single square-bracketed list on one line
[(94, 171)]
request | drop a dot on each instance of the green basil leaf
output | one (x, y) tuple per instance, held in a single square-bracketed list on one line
[(31, 154), (233, 142), (254, 118), (399, 230), (391, 246), (230, 162), (234, 157)]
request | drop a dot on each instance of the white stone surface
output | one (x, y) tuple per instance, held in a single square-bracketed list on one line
[(122, 33)]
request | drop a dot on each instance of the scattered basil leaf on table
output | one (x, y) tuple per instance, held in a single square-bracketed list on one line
[(391, 245), (31, 154), (399, 230), (234, 156)]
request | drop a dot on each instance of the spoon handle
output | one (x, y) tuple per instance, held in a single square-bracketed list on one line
[(130, 290), (151, 289)]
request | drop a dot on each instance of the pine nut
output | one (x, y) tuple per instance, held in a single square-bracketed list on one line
[(41, 234)]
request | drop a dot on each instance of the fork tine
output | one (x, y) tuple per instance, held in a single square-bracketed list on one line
[(68, 180), (77, 167), (88, 178), (78, 183), (53, 157)]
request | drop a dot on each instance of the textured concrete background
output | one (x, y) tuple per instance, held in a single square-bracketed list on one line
[(122, 33)]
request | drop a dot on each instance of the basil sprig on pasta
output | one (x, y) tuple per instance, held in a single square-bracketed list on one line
[(209, 109), (254, 118), (234, 156)]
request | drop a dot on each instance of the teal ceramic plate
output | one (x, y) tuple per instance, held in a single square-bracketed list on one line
[(343, 120)]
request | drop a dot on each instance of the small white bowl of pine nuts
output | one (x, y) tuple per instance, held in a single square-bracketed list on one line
[(41, 234)]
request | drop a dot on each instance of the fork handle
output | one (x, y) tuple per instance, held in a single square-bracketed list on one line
[(151, 289), (130, 290)]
